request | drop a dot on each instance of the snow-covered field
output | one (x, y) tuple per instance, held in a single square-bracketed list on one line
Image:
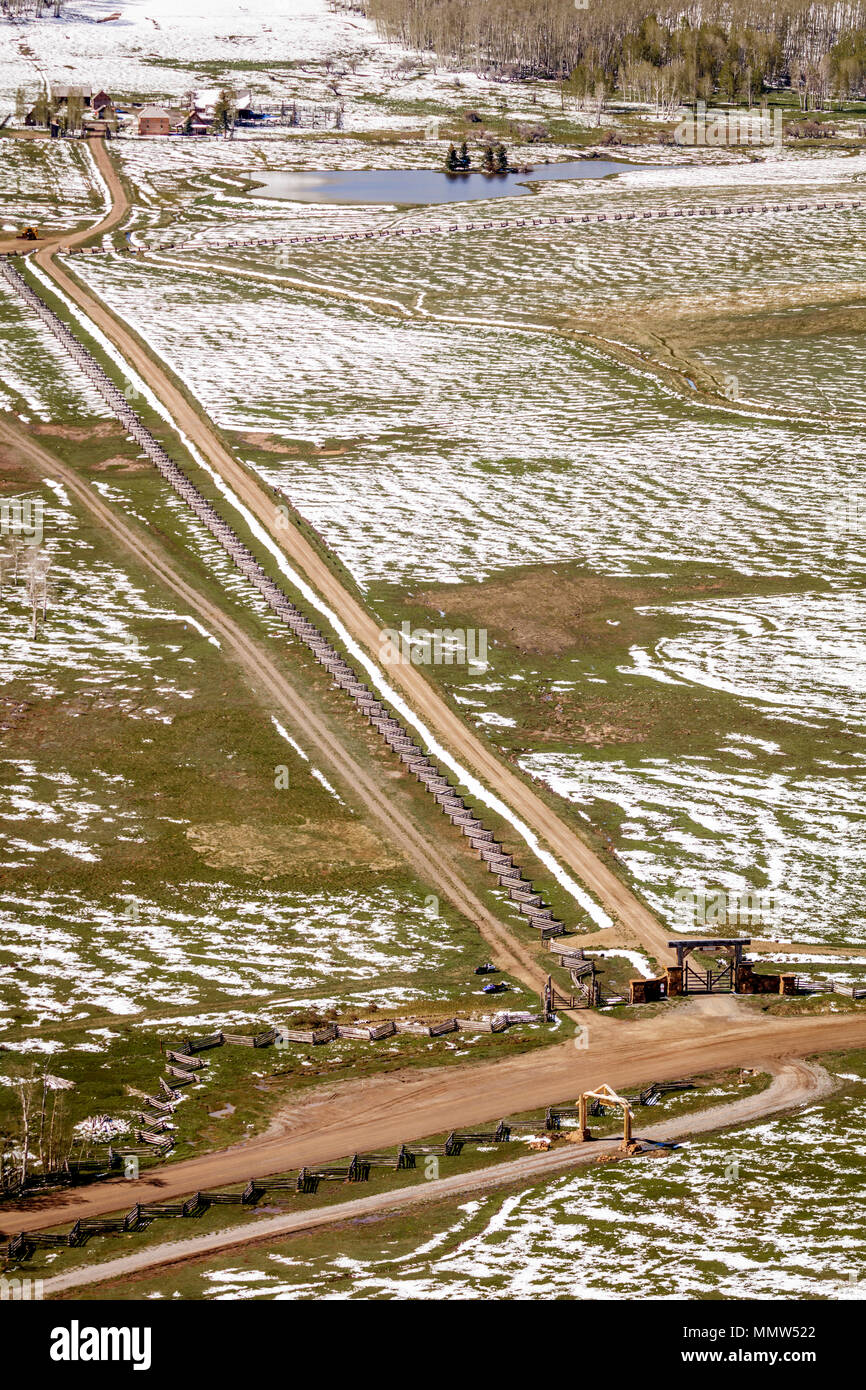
[(443, 446), (435, 445), (511, 275), (824, 373), (83, 936), (707, 823), (75, 957), (47, 183), (35, 378)]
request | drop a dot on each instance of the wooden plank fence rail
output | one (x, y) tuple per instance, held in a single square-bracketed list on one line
[(164, 1107), (403, 1158), (182, 1078), (265, 1039), (160, 1143), (150, 1211), (203, 1044), (155, 1124), (186, 1060), (451, 1148), (500, 1135), (651, 1095), (448, 1025), (555, 1114), (314, 1037)]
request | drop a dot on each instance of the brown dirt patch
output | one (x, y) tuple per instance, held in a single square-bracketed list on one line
[(545, 610), (268, 444), (102, 429), (548, 611), (119, 464), (269, 851)]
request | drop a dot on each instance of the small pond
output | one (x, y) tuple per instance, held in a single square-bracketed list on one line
[(420, 186)]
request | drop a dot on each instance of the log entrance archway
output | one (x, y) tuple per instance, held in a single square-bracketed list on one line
[(718, 979)]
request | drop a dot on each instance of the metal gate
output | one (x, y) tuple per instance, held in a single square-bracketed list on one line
[(718, 981)]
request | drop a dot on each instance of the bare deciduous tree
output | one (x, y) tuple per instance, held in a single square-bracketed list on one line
[(703, 46)]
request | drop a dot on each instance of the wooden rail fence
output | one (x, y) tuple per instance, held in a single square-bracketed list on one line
[(358, 1169), (664, 214), (419, 763)]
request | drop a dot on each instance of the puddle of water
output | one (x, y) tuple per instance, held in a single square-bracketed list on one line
[(404, 186)]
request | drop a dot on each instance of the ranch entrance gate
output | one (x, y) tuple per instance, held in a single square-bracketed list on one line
[(719, 978)]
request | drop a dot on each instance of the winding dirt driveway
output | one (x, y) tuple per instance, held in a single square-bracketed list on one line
[(333, 1120), (794, 1083), (565, 843)]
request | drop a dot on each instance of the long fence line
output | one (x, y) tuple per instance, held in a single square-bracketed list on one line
[(493, 225), (306, 1181), (184, 1066), (153, 1137), (521, 893)]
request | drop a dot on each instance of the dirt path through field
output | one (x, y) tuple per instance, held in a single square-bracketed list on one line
[(268, 680), (378, 1112), (564, 842), (794, 1083), (114, 216)]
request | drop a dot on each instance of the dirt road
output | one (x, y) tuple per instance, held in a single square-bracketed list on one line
[(333, 1121), (115, 215), (794, 1083), (564, 842), (266, 678), (327, 1124)]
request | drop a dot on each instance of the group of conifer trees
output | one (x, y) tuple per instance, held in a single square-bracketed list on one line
[(494, 159)]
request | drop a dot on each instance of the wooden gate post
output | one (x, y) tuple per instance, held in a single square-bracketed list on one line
[(626, 1126), (585, 1134)]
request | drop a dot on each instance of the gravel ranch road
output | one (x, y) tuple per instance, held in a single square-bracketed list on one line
[(794, 1083), (378, 1112), (616, 897)]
